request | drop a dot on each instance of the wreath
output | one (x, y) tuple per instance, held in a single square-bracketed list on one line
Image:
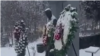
[(72, 30)]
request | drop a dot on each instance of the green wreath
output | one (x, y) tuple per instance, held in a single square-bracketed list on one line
[(70, 36)]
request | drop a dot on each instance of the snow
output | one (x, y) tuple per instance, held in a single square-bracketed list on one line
[(66, 25), (83, 52), (9, 51), (47, 9), (92, 49), (53, 17), (58, 44), (50, 23)]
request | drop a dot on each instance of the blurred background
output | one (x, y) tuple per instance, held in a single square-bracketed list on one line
[(31, 12)]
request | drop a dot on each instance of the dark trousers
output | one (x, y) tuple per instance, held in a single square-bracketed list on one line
[(47, 50)]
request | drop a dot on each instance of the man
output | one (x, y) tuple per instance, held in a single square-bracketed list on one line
[(48, 32)]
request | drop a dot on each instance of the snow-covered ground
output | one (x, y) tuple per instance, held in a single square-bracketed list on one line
[(9, 51), (83, 52)]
